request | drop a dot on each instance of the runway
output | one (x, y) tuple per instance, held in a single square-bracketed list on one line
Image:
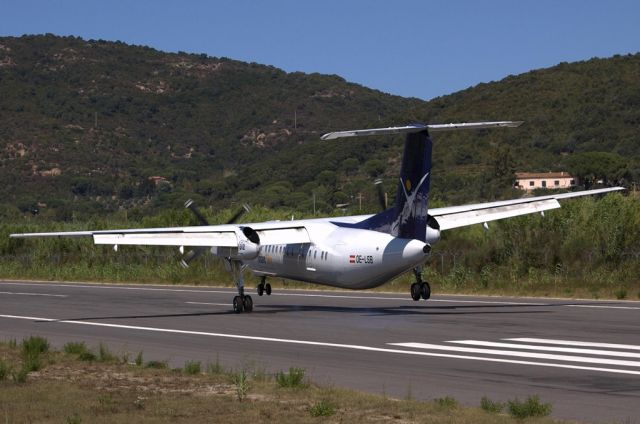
[(583, 356)]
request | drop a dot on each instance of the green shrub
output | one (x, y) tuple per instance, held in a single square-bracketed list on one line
[(20, 376), (31, 363), (104, 354), (532, 407), (192, 367), (621, 293), (215, 368), (34, 346), (242, 384), (159, 365), (294, 378), (87, 356), (75, 348), (74, 419), (5, 369), (490, 406), (323, 408), (446, 402)]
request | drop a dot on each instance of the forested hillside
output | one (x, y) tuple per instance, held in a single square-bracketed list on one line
[(85, 124)]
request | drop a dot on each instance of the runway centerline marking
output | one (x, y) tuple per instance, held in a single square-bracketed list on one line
[(548, 348), (34, 294), (574, 343), (324, 344)]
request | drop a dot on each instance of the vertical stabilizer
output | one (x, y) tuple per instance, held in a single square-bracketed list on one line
[(412, 198)]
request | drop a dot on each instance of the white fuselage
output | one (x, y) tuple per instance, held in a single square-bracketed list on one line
[(339, 256)]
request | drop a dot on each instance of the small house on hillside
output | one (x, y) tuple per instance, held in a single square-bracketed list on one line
[(553, 180)]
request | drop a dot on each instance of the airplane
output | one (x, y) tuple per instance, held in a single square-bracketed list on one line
[(351, 252)]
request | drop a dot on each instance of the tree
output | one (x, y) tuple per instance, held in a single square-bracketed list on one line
[(374, 167), (593, 166)]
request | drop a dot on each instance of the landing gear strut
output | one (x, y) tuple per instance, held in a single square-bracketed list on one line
[(264, 287), (420, 289), (242, 302)]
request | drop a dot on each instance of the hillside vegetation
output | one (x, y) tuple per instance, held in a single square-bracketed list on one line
[(84, 124)]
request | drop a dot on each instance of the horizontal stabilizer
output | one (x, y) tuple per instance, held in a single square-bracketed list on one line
[(419, 127)]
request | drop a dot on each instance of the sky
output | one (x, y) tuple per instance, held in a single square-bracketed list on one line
[(411, 48)]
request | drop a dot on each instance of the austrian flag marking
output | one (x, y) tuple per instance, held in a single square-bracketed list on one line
[(360, 259)]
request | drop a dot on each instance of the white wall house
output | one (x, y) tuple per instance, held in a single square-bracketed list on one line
[(553, 180)]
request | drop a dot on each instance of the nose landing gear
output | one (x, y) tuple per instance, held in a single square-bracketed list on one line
[(420, 289), (242, 302)]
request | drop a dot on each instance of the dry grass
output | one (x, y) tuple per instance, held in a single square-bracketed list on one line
[(73, 391)]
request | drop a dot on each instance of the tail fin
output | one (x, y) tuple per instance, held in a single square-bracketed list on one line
[(412, 198), (409, 217)]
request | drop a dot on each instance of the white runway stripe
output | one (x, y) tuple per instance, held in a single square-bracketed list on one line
[(208, 303), (548, 348), (35, 294), (602, 307), (519, 354), (325, 344), (575, 343)]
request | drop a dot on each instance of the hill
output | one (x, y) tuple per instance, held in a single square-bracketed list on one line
[(90, 127)]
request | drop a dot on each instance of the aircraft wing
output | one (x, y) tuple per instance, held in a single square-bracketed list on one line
[(206, 236), (461, 216)]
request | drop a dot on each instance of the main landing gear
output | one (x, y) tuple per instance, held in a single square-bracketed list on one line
[(264, 287), (242, 302), (420, 289)]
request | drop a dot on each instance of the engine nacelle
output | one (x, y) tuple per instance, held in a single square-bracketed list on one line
[(433, 230), (248, 243)]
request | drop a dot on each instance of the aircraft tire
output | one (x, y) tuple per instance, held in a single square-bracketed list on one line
[(238, 305), (248, 303), (260, 289), (425, 290), (267, 289), (415, 291)]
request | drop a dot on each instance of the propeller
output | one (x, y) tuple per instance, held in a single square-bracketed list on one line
[(198, 251), (190, 204), (382, 198)]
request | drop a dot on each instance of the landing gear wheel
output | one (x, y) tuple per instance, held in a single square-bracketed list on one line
[(260, 289), (267, 289), (248, 304), (415, 291), (425, 290), (238, 304)]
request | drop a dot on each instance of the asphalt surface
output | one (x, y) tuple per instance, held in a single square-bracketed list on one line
[(582, 356)]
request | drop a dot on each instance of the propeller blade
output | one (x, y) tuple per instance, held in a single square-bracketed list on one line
[(382, 201), (244, 209), (191, 255), (190, 204)]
